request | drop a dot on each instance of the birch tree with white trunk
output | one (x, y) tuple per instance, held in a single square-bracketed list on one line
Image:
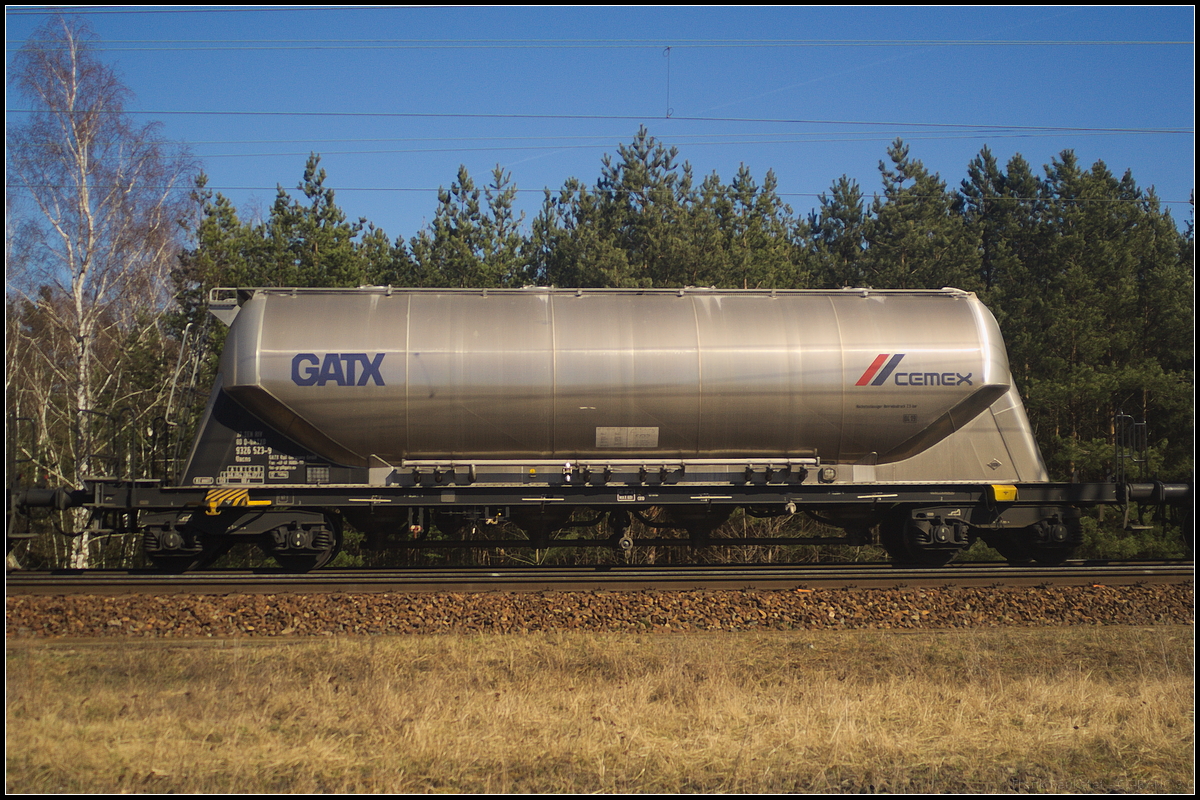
[(98, 202)]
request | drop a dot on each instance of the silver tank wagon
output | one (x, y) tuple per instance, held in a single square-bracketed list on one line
[(635, 414), (884, 379)]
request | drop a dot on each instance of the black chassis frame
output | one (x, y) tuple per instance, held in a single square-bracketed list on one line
[(124, 504), (921, 524)]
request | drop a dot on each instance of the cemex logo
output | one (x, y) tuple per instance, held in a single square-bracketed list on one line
[(885, 364), (875, 368), (342, 369)]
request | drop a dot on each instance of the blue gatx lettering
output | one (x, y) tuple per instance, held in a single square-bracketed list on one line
[(341, 369)]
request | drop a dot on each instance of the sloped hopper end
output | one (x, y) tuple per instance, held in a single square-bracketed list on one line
[(947, 424), (290, 424)]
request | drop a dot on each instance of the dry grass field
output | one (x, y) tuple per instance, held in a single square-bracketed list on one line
[(1083, 709)]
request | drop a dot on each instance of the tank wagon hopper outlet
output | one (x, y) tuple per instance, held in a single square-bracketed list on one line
[(396, 411)]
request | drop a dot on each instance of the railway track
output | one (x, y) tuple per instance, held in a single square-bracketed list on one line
[(594, 578)]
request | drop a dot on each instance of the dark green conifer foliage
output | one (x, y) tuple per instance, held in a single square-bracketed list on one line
[(311, 244), (307, 243), (836, 236), (646, 223), (382, 263), (760, 237), (1090, 282), (219, 256), (641, 206), (570, 244), (474, 239), (915, 238)]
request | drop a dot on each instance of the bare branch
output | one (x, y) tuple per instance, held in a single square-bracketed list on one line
[(94, 220)]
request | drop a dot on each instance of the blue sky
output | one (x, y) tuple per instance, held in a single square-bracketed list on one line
[(810, 93)]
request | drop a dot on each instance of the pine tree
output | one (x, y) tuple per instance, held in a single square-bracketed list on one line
[(1098, 319), (313, 244), (836, 236), (570, 246), (474, 239), (760, 237), (915, 239), (645, 223), (640, 205)]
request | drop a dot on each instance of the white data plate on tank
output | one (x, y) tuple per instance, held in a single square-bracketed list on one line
[(627, 437)]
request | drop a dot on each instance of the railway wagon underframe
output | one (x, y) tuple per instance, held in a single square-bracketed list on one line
[(302, 527)]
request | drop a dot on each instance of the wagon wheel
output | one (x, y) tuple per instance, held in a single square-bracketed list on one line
[(1024, 545), (896, 536), (304, 560), (184, 562)]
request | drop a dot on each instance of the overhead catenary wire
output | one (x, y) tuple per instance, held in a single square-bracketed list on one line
[(608, 145), (211, 45), (874, 134), (981, 127), (564, 190)]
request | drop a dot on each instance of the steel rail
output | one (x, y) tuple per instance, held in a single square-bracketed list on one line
[(592, 578)]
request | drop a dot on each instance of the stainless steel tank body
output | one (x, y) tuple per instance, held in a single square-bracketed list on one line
[(846, 376)]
